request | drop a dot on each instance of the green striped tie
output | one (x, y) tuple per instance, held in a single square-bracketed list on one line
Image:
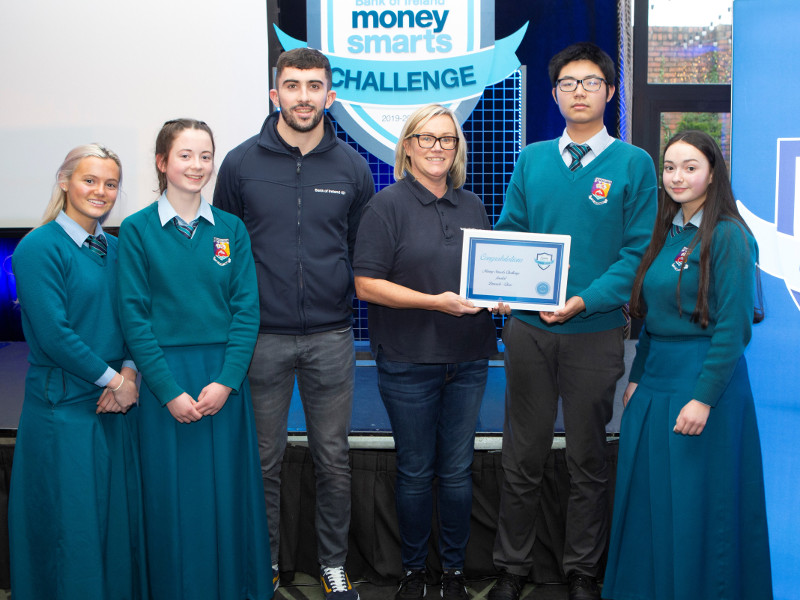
[(187, 231), (577, 151), (97, 245)]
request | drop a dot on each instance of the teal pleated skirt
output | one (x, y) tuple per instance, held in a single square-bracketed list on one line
[(74, 512), (689, 512), (204, 513)]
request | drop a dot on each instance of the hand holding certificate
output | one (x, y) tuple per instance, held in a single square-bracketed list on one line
[(528, 271)]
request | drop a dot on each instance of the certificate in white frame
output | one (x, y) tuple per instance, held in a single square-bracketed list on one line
[(528, 271)]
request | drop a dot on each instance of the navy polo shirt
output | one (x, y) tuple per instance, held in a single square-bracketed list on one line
[(412, 238)]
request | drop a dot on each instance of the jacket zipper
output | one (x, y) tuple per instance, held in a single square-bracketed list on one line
[(301, 285)]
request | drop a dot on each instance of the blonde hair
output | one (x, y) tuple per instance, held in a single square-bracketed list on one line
[(58, 199), (414, 123)]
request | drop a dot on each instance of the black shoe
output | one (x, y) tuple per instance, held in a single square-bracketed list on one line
[(583, 587), (412, 585), (507, 587), (454, 587)]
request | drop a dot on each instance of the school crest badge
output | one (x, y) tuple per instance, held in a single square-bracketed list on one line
[(779, 242), (600, 189), (680, 260), (222, 251)]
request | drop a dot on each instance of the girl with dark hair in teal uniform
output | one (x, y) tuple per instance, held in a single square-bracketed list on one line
[(689, 511), (74, 507), (190, 313)]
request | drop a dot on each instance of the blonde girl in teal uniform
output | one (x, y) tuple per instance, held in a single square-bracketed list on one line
[(190, 313), (689, 511), (73, 508)]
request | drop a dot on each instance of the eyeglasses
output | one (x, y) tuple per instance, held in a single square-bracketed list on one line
[(447, 142), (590, 84)]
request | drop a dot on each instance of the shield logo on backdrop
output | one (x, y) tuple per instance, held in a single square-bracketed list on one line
[(779, 242), (388, 59)]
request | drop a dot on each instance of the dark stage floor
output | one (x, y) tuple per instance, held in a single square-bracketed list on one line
[(305, 587)]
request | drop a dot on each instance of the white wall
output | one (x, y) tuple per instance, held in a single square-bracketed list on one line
[(113, 72)]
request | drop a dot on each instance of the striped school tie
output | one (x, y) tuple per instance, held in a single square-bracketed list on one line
[(188, 231), (677, 229), (98, 245), (577, 151)]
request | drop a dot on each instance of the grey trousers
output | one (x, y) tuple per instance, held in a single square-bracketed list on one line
[(324, 364), (583, 369)]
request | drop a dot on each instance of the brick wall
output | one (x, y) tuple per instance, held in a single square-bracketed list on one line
[(689, 55)]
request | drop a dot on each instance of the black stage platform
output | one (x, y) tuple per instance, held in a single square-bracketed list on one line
[(374, 553)]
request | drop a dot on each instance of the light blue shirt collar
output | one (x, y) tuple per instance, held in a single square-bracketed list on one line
[(78, 235), (166, 211), (696, 219), (597, 144), (74, 231)]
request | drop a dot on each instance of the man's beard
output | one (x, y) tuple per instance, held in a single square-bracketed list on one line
[(291, 119)]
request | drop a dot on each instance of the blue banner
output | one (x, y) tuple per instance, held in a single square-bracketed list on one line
[(399, 82), (766, 179)]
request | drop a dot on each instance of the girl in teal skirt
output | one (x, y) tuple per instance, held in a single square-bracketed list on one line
[(74, 510), (190, 313), (689, 511)]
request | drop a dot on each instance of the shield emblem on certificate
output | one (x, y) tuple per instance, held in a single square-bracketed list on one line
[(544, 260)]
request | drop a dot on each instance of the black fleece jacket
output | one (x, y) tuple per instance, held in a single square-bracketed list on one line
[(302, 213)]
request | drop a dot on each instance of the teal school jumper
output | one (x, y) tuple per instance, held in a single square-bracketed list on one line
[(689, 511), (608, 207), (190, 313), (74, 506)]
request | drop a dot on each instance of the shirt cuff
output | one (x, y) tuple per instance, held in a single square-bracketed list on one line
[(105, 378), (130, 364)]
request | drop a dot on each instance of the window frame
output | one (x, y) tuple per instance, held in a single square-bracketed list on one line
[(652, 99)]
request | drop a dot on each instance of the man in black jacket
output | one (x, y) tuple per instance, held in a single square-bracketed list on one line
[(300, 192)]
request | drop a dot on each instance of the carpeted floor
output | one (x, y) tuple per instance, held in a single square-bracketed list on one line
[(305, 587)]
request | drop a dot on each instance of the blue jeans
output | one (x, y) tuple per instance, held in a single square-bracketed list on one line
[(433, 409), (325, 367)]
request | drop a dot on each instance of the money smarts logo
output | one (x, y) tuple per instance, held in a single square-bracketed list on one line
[(390, 57)]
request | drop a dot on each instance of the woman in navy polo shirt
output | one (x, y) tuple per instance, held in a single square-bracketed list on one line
[(431, 346)]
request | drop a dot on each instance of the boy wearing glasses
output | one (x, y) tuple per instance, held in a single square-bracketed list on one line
[(602, 192)]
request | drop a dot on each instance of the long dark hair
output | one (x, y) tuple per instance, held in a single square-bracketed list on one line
[(719, 205)]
